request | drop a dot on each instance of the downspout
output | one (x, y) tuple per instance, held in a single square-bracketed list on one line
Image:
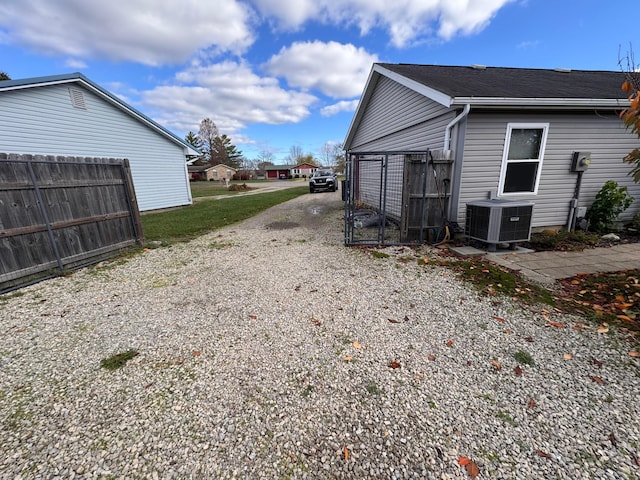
[(450, 125)]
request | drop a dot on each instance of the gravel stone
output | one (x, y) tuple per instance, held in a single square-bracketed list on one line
[(265, 352)]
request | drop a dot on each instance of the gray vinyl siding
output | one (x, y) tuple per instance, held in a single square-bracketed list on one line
[(42, 120), (371, 180), (602, 134), (398, 118)]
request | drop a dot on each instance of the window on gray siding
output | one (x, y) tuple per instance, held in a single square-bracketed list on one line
[(522, 158)]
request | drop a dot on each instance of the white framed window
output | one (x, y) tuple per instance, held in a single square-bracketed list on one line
[(522, 158)]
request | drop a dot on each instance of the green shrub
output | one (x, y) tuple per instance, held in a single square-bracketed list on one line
[(609, 203)]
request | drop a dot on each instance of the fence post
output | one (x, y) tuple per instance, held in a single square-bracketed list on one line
[(132, 202)]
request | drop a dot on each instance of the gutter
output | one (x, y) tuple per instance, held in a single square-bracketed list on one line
[(450, 125)]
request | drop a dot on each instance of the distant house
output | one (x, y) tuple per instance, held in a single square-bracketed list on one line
[(222, 172), (278, 172), (199, 172), (507, 133), (305, 170), (69, 115), (205, 172)]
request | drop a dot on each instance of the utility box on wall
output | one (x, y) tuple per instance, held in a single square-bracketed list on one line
[(580, 161)]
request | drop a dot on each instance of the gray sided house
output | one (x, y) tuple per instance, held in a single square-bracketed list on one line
[(506, 133), (69, 115)]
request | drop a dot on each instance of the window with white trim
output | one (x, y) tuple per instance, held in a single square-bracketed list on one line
[(522, 158)]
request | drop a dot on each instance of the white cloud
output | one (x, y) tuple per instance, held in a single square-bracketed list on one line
[(342, 106), (75, 63), (404, 20), (334, 69), (151, 32), (231, 94)]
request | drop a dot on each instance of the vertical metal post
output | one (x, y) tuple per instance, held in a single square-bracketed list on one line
[(383, 200), (348, 211), (425, 170), (45, 216)]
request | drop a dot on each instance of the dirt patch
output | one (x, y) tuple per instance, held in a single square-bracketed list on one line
[(239, 187)]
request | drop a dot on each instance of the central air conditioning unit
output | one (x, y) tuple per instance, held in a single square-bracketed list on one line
[(499, 221)]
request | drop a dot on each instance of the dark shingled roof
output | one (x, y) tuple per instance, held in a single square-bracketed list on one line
[(498, 82)]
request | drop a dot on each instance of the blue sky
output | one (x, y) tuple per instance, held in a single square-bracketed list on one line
[(276, 73)]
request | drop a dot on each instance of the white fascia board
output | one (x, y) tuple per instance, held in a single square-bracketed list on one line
[(433, 94), (541, 102), (364, 99)]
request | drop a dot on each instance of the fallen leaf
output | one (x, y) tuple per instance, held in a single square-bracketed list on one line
[(532, 404), (496, 364), (148, 385), (346, 454), (625, 318), (316, 322), (462, 461), (597, 362), (449, 343), (392, 320), (613, 439), (556, 324), (596, 379), (253, 317), (406, 318), (357, 345), (529, 339), (431, 357), (394, 364), (507, 331), (348, 358), (472, 469), (634, 353), (575, 282), (603, 329), (518, 370), (197, 353), (635, 459), (543, 454), (499, 319), (297, 289), (567, 356)]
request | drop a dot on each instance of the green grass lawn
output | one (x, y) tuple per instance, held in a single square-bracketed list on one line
[(186, 223), (208, 189)]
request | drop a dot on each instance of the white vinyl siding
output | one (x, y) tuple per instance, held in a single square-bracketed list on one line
[(602, 134), (42, 120), (398, 118)]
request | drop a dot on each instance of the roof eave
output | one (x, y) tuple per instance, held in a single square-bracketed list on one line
[(562, 103)]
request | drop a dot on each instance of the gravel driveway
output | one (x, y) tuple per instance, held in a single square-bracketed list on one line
[(267, 350)]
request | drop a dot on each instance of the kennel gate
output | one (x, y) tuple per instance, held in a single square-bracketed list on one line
[(395, 198)]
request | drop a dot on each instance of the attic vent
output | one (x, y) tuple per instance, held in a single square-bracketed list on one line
[(562, 70), (77, 98), (478, 67)]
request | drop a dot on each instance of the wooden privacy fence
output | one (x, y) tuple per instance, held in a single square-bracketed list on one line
[(60, 213)]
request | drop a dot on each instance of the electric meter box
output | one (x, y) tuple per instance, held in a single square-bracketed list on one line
[(580, 161)]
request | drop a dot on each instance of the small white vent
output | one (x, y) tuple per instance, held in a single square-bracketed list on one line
[(477, 66), (77, 98)]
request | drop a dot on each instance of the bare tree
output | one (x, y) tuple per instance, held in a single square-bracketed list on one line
[(208, 134), (295, 154)]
